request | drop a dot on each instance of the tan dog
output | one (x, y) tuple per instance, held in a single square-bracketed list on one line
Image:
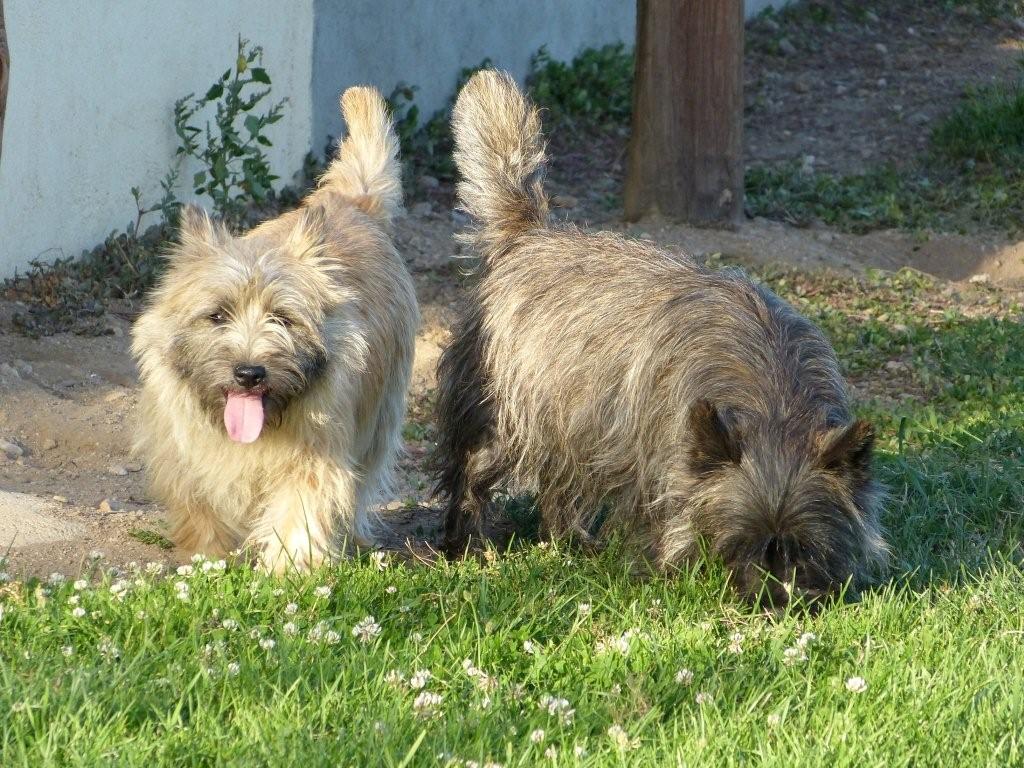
[(274, 366)]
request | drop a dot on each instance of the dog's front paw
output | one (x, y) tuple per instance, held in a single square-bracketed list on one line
[(278, 558)]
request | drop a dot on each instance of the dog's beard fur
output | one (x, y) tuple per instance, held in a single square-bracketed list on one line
[(321, 302), (603, 374)]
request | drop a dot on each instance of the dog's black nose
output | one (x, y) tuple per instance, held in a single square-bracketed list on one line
[(250, 375)]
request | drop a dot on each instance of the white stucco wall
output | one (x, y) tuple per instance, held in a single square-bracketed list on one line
[(93, 84), (379, 42), (89, 112)]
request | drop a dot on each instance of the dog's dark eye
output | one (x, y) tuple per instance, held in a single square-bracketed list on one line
[(217, 318), (282, 320)]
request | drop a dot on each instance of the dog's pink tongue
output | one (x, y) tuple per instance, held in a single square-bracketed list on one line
[(243, 416)]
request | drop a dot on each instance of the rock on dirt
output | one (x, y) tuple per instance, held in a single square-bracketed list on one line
[(11, 449)]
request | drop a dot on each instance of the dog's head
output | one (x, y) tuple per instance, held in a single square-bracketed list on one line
[(246, 322), (789, 506)]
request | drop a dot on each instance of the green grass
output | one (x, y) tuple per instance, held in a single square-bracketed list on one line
[(146, 678), (971, 178)]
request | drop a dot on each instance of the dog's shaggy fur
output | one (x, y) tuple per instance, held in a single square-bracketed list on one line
[(617, 380), (305, 328)]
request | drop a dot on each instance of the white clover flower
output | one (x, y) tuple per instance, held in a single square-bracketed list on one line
[(255, 633), (530, 647), (551, 752), (181, 589), (417, 638), (120, 588), (331, 637), (198, 557), (154, 568), (558, 707), (78, 612), (620, 738), (806, 640), (856, 685), (579, 750), (291, 609), (379, 560), (703, 697), (793, 655), (419, 679), (405, 609), (73, 600), (316, 634), (234, 668), (366, 630), (391, 589), (277, 592), (583, 609), (323, 591), (229, 624), (622, 644), (55, 579), (140, 615), (68, 650), (290, 629), (485, 702), (394, 678), (736, 642), (684, 676), (426, 701), (107, 649), (774, 719), (80, 584), (185, 570), (537, 736), (267, 643), (96, 555)]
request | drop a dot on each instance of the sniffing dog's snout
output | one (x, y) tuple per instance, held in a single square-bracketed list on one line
[(250, 376)]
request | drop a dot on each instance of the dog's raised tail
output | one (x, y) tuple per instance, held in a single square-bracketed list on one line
[(366, 168), (499, 150)]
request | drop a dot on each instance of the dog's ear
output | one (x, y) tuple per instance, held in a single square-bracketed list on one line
[(194, 226), (308, 233), (713, 442), (197, 233), (847, 448)]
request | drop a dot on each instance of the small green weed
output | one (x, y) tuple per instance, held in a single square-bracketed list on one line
[(236, 171), (151, 537), (595, 88), (987, 128)]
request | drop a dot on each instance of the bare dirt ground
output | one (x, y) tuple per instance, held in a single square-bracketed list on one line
[(70, 486)]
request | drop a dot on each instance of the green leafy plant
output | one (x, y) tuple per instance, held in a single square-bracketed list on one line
[(427, 147), (231, 150), (594, 88)]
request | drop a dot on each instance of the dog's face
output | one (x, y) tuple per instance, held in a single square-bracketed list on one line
[(790, 511), (248, 322)]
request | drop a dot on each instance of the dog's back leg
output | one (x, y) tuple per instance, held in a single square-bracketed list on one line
[(465, 426)]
